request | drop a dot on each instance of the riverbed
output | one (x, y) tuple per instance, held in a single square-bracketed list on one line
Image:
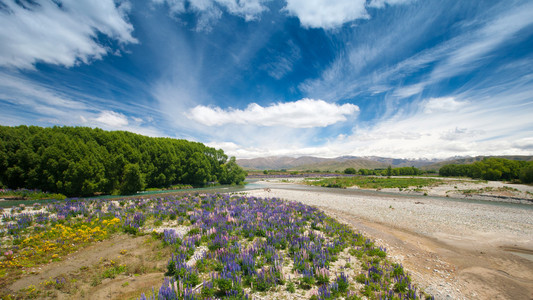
[(454, 248)]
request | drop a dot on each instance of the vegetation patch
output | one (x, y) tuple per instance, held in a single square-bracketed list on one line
[(492, 168), (367, 182), (234, 247), (489, 190), (25, 194), (82, 161)]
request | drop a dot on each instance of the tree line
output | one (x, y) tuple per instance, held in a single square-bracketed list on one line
[(82, 161), (492, 168), (390, 171)]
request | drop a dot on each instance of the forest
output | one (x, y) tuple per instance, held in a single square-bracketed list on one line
[(492, 168), (82, 161)]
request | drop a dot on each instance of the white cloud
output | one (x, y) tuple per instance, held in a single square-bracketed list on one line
[(381, 3), (305, 113), (461, 133), (249, 9), (137, 120), (462, 124), (326, 14), (175, 6), (438, 105), (408, 91), (332, 14), (210, 11), (60, 34), (112, 119)]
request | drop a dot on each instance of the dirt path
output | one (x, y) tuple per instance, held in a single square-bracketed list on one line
[(83, 270), (454, 250)]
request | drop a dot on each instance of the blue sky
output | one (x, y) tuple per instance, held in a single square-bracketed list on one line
[(395, 78)]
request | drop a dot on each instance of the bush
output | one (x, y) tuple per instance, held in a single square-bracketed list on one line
[(526, 173), (350, 171)]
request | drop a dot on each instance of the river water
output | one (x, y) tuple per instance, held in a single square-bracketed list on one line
[(253, 184)]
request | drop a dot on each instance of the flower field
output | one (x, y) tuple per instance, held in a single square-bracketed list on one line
[(224, 246)]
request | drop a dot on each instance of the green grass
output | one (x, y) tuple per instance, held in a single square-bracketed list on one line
[(173, 187), (25, 194), (488, 190), (12, 203), (366, 182)]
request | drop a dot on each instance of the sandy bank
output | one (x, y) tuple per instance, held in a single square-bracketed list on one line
[(454, 249)]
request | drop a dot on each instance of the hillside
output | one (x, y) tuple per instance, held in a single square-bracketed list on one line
[(325, 164), (278, 162), (333, 165), (343, 162)]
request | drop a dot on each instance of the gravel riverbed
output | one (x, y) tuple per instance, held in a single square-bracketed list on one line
[(455, 248)]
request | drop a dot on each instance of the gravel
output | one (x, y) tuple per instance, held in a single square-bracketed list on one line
[(425, 215)]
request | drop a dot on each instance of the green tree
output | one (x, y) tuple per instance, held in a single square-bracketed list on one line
[(132, 180), (198, 170), (232, 173), (83, 161), (349, 171), (526, 173)]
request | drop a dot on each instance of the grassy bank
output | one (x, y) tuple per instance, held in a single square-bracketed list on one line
[(366, 182)]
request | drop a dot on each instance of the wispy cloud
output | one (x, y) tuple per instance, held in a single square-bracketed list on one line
[(305, 113), (60, 33), (471, 46), (476, 45), (282, 63), (210, 11), (46, 106), (382, 3)]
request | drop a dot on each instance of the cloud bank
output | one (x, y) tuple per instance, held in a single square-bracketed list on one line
[(304, 113)]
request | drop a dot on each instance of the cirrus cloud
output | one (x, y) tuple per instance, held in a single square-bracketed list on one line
[(61, 33), (304, 113)]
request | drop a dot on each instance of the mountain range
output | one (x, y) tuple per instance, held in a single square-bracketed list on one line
[(368, 162)]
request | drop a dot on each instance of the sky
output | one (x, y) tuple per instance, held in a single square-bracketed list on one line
[(393, 78)]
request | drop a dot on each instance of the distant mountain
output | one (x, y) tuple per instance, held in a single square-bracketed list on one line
[(324, 164), (278, 162), (341, 164), (401, 162), (366, 162)]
